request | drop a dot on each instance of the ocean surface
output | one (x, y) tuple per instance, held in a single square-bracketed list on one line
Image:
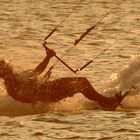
[(23, 26)]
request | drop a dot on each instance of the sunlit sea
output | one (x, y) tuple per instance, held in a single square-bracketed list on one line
[(23, 26)]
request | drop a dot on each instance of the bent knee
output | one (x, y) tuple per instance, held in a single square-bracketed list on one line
[(83, 79)]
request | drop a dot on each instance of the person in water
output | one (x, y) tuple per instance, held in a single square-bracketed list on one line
[(27, 88)]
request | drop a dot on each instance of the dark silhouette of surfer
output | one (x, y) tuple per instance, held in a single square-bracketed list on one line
[(27, 88)]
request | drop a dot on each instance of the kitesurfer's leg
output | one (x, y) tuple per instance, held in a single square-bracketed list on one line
[(66, 87)]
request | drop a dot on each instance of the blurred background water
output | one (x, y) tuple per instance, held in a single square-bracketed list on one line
[(23, 26)]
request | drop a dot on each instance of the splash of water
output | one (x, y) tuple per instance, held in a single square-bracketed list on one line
[(129, 75), (125, 79)]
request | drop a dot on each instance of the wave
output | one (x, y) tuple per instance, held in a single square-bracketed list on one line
[(126, 78)]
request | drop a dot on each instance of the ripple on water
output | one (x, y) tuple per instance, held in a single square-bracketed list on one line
[(51, 120), (126, 130)]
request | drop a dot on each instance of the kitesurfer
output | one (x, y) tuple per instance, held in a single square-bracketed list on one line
[(27, 88)]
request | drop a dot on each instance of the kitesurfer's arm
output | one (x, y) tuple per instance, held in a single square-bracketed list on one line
[(41, 67)]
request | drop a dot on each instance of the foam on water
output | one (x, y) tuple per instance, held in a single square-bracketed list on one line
[(125, 79)]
